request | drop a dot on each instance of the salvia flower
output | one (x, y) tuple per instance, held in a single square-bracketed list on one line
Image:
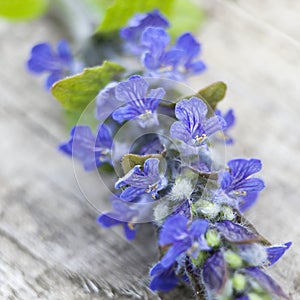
[(131, 34), (57, 64), (140, 103), (141, 182), (90, 150), (237, 183), (182, 238), (176, 62), (193, 127)]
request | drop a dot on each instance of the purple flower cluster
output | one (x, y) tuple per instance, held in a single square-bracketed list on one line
[(146, 35), (196, 205)]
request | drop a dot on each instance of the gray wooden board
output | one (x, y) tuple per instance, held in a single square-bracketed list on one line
[(51, 246)]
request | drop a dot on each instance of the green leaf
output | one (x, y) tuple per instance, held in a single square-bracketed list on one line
[(213, 94), (76, 92), (122, 10), (185, 16), (130, 160), (22, 9)]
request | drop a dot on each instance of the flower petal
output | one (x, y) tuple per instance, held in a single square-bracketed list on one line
[(276, 252), (213, 124), (52, 78), (131, 193), (104, 136), (155, 39), (188, 43), (125, 113), (266, 281), (173, 229), (164, 279), (107, 221), (180, 132), (191, 112), (129, 233), (151, 167), (133, 89), (242, 168), (64, 51), (247, 201), (250, 185), (174, 252), (215, 273), (41, 59), (198, 228), (236, 233), (106, 101)]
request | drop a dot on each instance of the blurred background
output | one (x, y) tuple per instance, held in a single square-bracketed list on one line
[(50, 244)]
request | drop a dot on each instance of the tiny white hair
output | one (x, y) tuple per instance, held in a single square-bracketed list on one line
[(181, 190)]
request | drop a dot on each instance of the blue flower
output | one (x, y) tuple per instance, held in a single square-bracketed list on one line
[(182, 238), (236, 182), (141, 182), (275, 252), (194, 127), (229, 118), (83, 145), (58, 65), (132, 33), (164, 279), (121, 213), (140, 104), (178, 62), (190, 49)]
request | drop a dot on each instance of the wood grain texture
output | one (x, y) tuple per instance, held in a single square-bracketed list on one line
[(51, 246)]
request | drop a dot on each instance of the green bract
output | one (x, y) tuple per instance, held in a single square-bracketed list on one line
[(22, 9), (76, 92), (213, 94)]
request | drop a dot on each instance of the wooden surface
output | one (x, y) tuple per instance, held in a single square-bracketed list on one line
[(50, 244)]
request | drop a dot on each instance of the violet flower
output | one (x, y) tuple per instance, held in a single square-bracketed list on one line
[(193, 127), (177, 62), (182, 238), (141, 104), (90, 150), (141, 182), (58, 65), (237, 183), (131, 34)]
